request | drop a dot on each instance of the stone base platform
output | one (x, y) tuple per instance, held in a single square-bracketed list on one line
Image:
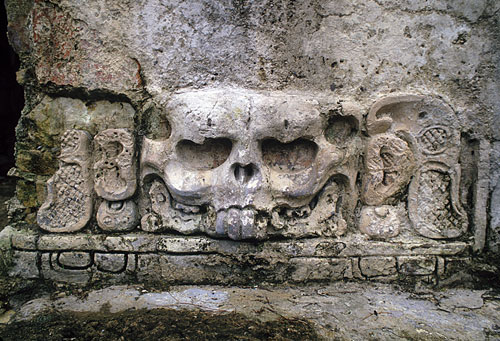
[(172, 259)]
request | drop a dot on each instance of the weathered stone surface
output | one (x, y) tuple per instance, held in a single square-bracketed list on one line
[(25, 264), (319, 269), (416, 265), (110, 262), (71, 53), (461, 299), (24, 241), (74, 260), (318, 247), (494, 228), (255, 121), (51, 270), (378, 266), (187, 269), (73, 242), (69, 202), (347, 307)]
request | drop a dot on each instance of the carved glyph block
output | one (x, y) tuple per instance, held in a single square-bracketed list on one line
[(243, 164), (389, 165), (431, 134), (433, 203), (115, 179), (117, 215), (68, 206), (382, 222), (115, 164)]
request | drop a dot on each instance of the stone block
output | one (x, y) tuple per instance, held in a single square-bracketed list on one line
[(76, 242), (192, 269), (456, 266), (320, 269), (74, 260), (418, 265), (378, 266), (51, 270), (111, 262), (25, 264), (134, 242), (24, 241)]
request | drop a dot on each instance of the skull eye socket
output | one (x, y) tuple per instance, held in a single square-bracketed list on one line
[(209, 155), (288, 157), (341, 129)]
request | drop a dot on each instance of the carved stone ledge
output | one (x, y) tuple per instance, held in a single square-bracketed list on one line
[(356, 246)]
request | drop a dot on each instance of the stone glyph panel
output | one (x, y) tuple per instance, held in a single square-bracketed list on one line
[(428, 129), (115, 180), (357, 196), (69, 202), (114, 164), (244, 164)]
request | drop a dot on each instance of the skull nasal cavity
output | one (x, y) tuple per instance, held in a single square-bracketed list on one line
[(243, 174)]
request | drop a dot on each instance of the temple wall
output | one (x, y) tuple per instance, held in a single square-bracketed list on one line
[(237, 142)]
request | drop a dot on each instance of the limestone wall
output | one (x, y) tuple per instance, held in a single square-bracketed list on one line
[(240, 141)]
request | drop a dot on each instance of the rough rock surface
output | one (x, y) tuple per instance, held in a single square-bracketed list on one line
[(343, 311)]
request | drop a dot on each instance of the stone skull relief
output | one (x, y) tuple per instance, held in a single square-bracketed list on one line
[(253, 165), (248, 165)]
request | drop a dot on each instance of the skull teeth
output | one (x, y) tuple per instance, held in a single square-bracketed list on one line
[(239, 224), (187, 209), (300, 212)]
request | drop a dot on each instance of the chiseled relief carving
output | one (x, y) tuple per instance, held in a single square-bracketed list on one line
[(389, 165), (68, 206), (250, 165), (428, 133), (244, 164), (115, 179)]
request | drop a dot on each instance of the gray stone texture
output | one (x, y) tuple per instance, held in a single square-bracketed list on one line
[(25, 264), (418, 265), (494, 230), (377, 266), (344, 311)]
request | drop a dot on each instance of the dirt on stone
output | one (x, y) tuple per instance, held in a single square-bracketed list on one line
[(157, 324), (7, 189)]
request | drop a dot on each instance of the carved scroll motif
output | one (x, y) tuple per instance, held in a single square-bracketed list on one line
[(115, 179), (69, 203), (115, 165), (185, 219)]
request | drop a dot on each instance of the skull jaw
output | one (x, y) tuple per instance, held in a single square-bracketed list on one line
[(239, 224), (322, 216)]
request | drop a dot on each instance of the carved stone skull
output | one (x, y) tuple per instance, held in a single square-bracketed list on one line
[(248, 165)]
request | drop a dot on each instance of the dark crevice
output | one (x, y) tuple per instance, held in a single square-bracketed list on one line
[(84, 94), (11, 96)]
